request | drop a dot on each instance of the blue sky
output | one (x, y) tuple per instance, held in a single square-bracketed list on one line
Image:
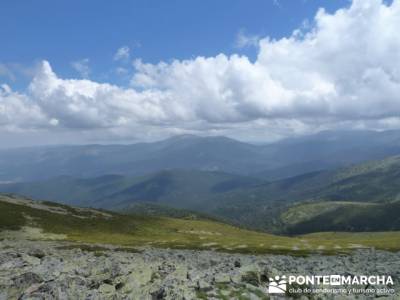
[(260, 70), (66, 31)]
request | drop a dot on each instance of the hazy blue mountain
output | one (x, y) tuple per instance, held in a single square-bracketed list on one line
[(238, 199), (181, 152), (376, 182), (287, 158), (329, 150), (188, 189), (185, 172)]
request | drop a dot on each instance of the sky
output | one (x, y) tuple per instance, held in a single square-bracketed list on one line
[(75, 72)]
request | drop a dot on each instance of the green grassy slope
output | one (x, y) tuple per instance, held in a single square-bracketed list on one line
[(341, 216), (158, 210), (372, 182), (92, 226), (376, 181)]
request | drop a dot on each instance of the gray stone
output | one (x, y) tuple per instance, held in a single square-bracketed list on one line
[(163, 274), (204, 285), (106, 288), (222, 278)]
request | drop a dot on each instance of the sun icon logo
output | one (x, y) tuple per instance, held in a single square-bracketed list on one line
[(277, 285)]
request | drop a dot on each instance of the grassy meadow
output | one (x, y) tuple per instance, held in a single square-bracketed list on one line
[(98, 227)]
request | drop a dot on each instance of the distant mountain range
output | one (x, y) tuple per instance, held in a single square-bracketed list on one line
[(262, 205), (361, 190), (180, 188), (287, 158)]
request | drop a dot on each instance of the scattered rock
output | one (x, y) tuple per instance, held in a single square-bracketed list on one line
[(38, 253), (252, 278), (106, 289), (27, 279), (158, 295), (31, 260), (43, 270), (204, 286), (119, 285), (237, 264), (222, 278)]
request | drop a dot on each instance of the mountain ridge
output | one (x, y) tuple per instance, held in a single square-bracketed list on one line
[(290, 157), (241, 200)]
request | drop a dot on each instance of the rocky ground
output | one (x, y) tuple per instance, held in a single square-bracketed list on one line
[(55, 270)]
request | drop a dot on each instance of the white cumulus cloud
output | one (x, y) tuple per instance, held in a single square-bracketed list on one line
[(343, 70), (18, 111), (346, 67)]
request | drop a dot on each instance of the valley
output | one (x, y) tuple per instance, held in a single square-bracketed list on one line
[(200, 225), (241, 200)]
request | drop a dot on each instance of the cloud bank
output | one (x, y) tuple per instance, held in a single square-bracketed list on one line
[(343, 71)]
